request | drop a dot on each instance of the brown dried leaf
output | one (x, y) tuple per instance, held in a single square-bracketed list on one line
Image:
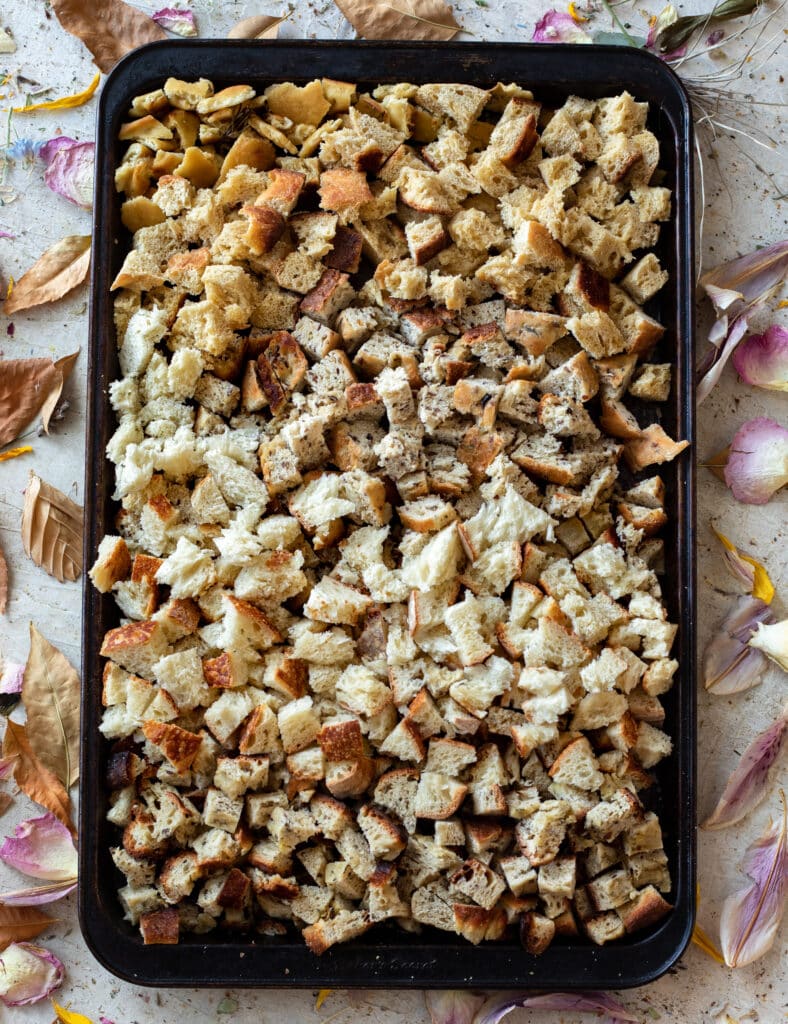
[(400, 19), (109, 28), (5, 802), (50, 693), (52, 530), (33, 778), (259, 26), (54, 274), (25, 385), (18, 924), (64, 367), (3, 583)]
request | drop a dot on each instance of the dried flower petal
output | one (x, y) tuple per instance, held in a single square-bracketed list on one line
[(596, 1002), (41, 847), (736, 289), (258, 26), (752, 916), (453, 1007), (758, 462), (747, 785), (772, 639), (77, 99), (715, 37), (69, 1016), (11, 679), (28, 974), (558, 27), (747, 570), (680, 31), (729, 665), (38, 895), (179, 20), (69, 170), (702, 941), (762, 359)]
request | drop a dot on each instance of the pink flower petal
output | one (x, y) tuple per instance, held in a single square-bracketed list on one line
[(454, 1007), (748, 784), (43, 848), (176, 19), (6, 234), (38, 895), (757, 466), (28, 974), (714, 37), (11, 679), (595, 1002), (712, 366), (69, 170), (762, 359), (559, 27)]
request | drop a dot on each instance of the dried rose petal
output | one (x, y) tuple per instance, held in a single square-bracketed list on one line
[(176, 19), (772, 639), (758, 462), (558, 27), (746, 569), (729, 665), (28, 974), (455, 1007), (11, 679), (598, 1002), (69, 170), (762, 359), (41, 847)]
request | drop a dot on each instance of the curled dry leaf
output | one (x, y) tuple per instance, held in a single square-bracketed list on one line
[(20, 923), (109, 28), (400, 19), (748, 784), (3, 583), (54, 274), (50, 693), (259, 26), (34, 778), (751, 917), (27, 386), (52, 530)]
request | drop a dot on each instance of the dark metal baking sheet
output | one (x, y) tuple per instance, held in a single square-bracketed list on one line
[(383, 957)]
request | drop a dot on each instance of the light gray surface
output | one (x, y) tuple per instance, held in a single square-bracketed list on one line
[(741, 213)]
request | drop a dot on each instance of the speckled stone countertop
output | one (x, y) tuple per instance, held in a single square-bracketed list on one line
[(741, 212)]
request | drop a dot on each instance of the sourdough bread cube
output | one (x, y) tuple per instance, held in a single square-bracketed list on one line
[(387, 838), (222, 811), (438, 796), (479, 882), (234, 776), (540, 836), (298, 724), (558, 878), (227, 712)]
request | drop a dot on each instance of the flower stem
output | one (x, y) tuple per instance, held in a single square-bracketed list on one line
[(618, 22)]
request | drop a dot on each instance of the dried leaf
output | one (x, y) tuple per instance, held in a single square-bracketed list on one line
[(25, 385), (109, 28), (400, 19), (52, 530), (54, 274), (50, 693), (259, 26), (20, 923), (748, 784), (5, 802), (64, 367), (65, 102), (751, 917), (3, 583), (680, 30), (33, 778)]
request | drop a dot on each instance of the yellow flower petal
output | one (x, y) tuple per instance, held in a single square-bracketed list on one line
[(69, 1016), (762, 586), (322, 995), (14, 453), (578, 19), (702, 941), (65, 102)]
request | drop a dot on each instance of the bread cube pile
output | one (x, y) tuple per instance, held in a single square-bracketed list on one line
[(392, 642)]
